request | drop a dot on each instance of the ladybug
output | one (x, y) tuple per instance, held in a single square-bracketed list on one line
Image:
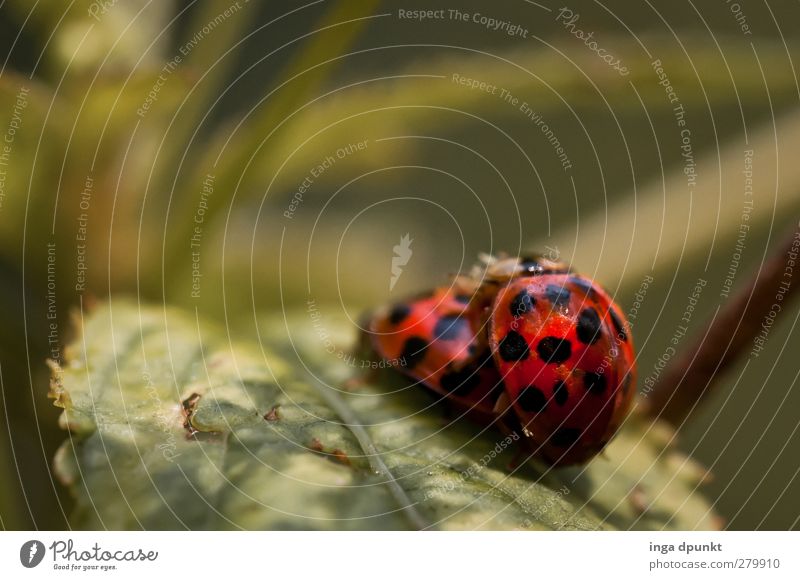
[(564, 353), (487, 278), (505, 269), (434, 339), (492, 273), (524, 344)]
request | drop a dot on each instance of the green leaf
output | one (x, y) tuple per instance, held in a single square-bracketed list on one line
[(172, 425)]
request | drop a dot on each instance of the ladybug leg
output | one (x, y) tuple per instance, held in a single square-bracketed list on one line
[(448, 412), (523, 452), (503, 404), (453, 410), (508, 427), (521, 456)]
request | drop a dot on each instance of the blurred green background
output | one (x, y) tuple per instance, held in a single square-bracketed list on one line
[(174, 138)]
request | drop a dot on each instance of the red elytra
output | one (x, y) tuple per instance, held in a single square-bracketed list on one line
[(434, 340), (564, 352), (522, 343)]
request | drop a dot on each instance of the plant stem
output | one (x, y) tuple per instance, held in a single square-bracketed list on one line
[(689, 377)]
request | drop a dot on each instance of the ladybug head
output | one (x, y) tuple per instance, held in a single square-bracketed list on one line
[(503, 269), (534, 264)]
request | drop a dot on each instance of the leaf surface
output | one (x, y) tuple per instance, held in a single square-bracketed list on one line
[(174, 426)]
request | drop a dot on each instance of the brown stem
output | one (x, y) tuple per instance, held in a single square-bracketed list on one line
[(688, 377)]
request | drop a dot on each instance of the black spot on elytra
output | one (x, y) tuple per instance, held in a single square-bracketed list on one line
[(399, 313), (449, 327), (554, 350), (560, 393), (513, 347), (584, 285), (461, 382), (557, 295), (565, 437), (594, 382), (462, 298), (588, 326), (522, 303), (618, 326), (532, 400), (483, 358), (413, 351)]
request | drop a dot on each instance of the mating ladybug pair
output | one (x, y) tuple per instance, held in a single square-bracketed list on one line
[(523, 343)]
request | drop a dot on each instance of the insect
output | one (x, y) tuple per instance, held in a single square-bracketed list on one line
[(565, 355), (435, 340), (523, 343), (440, 338), (491, 274)]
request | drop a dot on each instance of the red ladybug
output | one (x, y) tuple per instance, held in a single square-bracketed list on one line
[(492, 273), (433, 339), (487, 278), (522, 343), (564, 353)]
